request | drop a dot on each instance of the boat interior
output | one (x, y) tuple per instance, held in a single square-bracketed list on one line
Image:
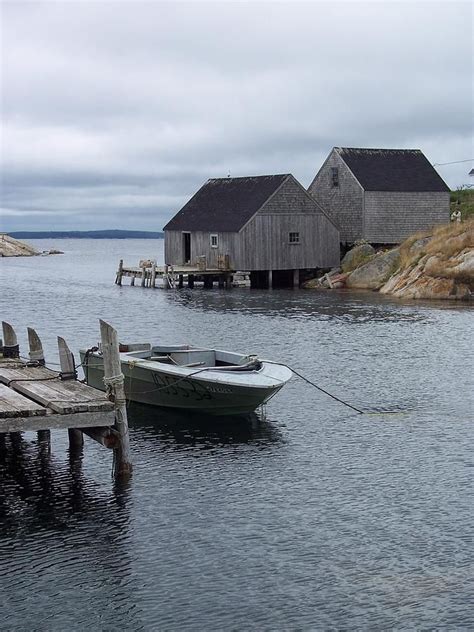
[(192, 357)]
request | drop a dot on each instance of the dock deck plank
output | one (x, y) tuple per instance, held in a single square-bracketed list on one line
[(45, 387), (13, 404)]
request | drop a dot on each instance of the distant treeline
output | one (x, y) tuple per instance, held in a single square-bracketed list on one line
[(86, 234)]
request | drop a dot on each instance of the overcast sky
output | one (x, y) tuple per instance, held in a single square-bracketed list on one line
[(115, 113)]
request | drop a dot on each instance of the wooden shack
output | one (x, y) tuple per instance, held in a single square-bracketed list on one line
[(267, 225), (380, 195)]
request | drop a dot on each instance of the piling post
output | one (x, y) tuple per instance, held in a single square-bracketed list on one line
[(190, 281), (296, 278), (132, 282), (36, 353), (153, 274), (228, 281), (113, 378), (180, 281), (11, 348), (68, 372), (118, 278), (143, 276)]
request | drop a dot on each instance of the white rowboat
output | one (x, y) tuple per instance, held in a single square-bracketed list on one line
[(190, 378)]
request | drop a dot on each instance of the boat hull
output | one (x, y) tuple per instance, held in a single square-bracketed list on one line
[(165, 389)]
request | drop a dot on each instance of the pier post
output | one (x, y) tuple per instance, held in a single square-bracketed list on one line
[(36, 353), (113, 378), (190, 281), (118, 278), (143, 276), (68, 372), (228, 281), (153, 274), (270, 279), (296, 278), (180, 281), (11, 348)]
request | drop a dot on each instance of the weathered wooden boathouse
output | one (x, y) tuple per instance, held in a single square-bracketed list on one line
[(380, 195), (266, 225)]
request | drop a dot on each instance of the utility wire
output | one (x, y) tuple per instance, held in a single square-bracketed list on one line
[(455, 162)]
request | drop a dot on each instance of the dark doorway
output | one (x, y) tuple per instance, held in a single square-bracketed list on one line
[(187, 247)]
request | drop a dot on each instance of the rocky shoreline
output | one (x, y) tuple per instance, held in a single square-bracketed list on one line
[(11, 247), (435, 265)]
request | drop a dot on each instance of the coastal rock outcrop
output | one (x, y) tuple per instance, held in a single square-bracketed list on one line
[(10, 247), (357, 256), (438, 266), (372, 275)]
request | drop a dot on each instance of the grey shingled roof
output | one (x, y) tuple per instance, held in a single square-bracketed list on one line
[(225, 204), (392, 169)]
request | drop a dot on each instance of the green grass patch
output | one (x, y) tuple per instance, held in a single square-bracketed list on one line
[(463, 200)]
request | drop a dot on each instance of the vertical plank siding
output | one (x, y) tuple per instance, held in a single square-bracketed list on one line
[(344, 204), (391, 217), (263, 244)]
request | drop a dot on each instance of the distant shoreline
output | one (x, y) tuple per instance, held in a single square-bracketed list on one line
[(87, 234)]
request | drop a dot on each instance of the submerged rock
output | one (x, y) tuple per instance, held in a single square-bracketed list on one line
[(372, 275)]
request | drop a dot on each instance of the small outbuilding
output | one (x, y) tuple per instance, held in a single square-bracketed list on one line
[(380, 195), (267, 225)]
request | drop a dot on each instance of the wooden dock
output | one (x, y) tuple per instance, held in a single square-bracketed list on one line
[(174, 276), (36, 398)]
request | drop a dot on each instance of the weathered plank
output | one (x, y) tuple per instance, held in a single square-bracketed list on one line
[(57, 422), (44, 387), (12, 404)]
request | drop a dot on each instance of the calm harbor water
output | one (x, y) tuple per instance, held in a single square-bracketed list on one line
[(312, 518)]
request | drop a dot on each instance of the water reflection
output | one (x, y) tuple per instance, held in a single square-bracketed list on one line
[(39, 492), (60, 535), (347, 307), (173, 429)]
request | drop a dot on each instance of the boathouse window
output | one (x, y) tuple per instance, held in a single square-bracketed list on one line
[(294, 238), (335, 176), (214, 241)]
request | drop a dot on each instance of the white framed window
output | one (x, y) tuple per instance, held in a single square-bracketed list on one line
[(294, 238), (214, 241)]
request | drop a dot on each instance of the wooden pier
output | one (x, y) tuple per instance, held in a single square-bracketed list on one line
[(36, 398), (174, 276)]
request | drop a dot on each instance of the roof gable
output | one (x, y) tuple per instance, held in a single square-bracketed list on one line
[(225, 204), (392, 169)]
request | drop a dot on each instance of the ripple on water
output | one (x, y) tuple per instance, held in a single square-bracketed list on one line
[(311, 518)]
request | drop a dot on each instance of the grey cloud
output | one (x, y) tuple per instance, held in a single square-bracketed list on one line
[(120, 109)]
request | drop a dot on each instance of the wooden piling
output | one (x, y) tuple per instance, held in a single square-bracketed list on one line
[(113, 378), (153, 275), (180, 281), (11, 348), (190, 281), (66, 360), (296, 278), (36, 353), (68, 372), (118, 278), (270, 279)]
